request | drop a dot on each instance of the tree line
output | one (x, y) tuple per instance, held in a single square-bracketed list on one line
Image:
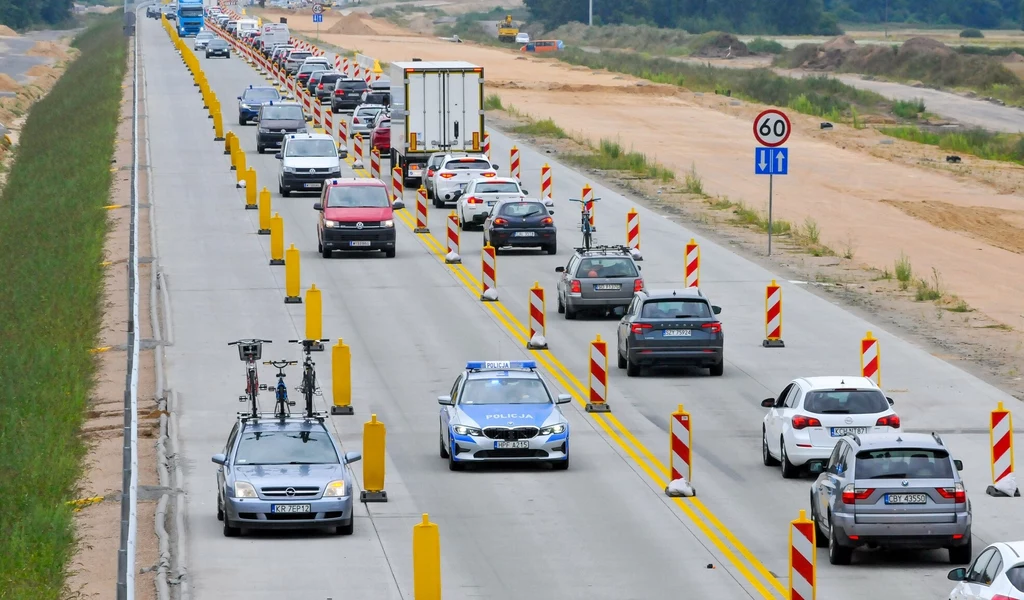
[(19, 14), (791, 17)]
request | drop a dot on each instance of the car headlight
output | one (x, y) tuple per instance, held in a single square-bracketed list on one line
[(330, 223), (552, 429), (388, 223), (290, 170), (263, 130), (335, 489), (244, 489), (464, 430)]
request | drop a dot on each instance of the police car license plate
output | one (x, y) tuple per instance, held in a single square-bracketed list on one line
[(525, 234), (841, 431), (290, 508), (906, 499), (678, 333), (519, 445), (312, 185), (359, 243)]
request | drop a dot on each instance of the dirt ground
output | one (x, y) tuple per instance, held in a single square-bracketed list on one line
[(873, 198), (94, 568)]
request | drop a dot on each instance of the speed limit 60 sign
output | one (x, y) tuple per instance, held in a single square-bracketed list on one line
[(772, 128)]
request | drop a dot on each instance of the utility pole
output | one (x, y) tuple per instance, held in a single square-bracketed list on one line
[(590, 18), (886, 19)]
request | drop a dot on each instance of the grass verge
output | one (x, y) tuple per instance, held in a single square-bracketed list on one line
[(52, 231), (977, 142)]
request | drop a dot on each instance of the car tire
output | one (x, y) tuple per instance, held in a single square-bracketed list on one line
[(622, 359), (837, 555), (259, 149), (717, 370), (325, 251), (242, 121), (570, 312), (442, 450), (560, 465), (286, 192), (962, 555), (346, 529), (789, 471), (820, 540), (319, 245), (453, 465), (766, 456), (435, 201), (551, 249), (632, 369), (230, 530), (389, 253), (220, 510), (561, 307)]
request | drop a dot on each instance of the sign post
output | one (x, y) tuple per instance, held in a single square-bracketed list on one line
[(771, 130), (318, 18)]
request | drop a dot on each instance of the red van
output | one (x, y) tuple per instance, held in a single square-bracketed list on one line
[(356, 215)]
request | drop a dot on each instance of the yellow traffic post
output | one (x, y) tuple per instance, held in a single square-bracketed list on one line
[(341, 378), (314, 315), (229, 138), (374, 434), (277, 247), (264, 212), (250, 189), (218, 125), (213, 105), (240, 164), (426, 560), (291, 273)]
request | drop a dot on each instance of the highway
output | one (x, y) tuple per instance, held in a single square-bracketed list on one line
[(604, 529)]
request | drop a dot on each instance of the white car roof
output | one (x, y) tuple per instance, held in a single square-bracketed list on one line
[(309, 136), (496, 179), (837, 382)]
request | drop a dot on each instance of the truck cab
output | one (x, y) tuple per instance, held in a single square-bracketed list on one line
[(190, 16)]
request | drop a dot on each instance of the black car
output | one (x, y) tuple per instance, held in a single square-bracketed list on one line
[(671, 327), (218, 47), (277, 120), (348, 94), (313, 79), (521, 224), (325, 86)]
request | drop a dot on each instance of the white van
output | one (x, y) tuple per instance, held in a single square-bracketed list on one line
[(273, 33), (245, 25)]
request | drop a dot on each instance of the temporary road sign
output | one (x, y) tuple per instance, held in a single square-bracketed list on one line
[(771, 161), (772, 128), (318, 17)]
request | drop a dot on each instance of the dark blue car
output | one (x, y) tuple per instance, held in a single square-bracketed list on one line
[(252, 98)]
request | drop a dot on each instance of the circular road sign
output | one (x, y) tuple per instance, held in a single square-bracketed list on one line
[(318, 9), (772, 128)]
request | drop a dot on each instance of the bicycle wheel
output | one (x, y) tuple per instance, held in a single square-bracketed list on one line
[(252, 384)]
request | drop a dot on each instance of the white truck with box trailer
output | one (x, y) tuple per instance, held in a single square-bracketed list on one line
[(436, 106)]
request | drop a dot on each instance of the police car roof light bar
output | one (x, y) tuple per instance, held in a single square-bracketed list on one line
[(502, 365)]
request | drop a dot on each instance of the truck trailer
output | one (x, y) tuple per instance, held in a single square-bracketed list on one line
[(435, 107)]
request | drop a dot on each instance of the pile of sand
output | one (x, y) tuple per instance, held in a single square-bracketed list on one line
[(923, 45), (1013, 57), (48, 49), (39, 70), (8, 84), (843, 43), (351, 24), (722, 45), (6, 31)]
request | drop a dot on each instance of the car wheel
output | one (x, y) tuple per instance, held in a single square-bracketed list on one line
[(389, 253), (717, 370), (622, 359), (962, 555), (560, 465), (453, 465), (259, 149), (820, 540), (561, 307), (766, 456), (286, 192), (837, 555), (435, 202), (241, 121), (346, 529), (319, 245), (570, 312), (231, 531), (632, 369), (552, 249), (788, 470), (220, 510), (442, 450), (325, 251)]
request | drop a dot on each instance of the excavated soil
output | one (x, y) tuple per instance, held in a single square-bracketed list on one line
[(351, 24), (6, 31), (48, 49), (8, 84)]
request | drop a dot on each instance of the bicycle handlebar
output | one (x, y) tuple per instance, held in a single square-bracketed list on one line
[(308, 341), (581, 199), (281, 363), (252, 341)]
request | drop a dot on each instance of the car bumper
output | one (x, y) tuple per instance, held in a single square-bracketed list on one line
[(578, 302), (919, 536), (248, 113), (446, 192), (680, 356), (482, 449), (340, 103), (506, 239), (255, 513), (358, 240), (312, 183), (212, 53), (272, 139)]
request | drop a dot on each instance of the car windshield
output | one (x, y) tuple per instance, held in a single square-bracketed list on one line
[(311, 67), (498, 187), (845, 402), (904, 463), (261, 95), (607, 266), (523, 210), (351, 85), (467, 164), (282, 113), (217, 44), (205, 35), (308, 148), (191, 12), (675, 308), (504, 390), (286, 448), (358, 196)]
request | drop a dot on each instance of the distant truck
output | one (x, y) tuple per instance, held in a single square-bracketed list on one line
[(507, 30), (273, 33), (190, 15), (435, 107)]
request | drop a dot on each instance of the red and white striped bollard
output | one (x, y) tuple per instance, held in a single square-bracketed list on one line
[(545, 182), (871, 359), (487, 145), (358, 151), (489, 281), (1004, 482), (598, 377), (515, 170), (421, 211), (538, 326), (633, 229), (452, 239), (588, 204), (773, 316), (680, 440), (397, 184), (803, 558), (375, 163), (692, 264)]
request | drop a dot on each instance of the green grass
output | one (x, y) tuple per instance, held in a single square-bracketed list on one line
[(977, 142), (609, 155), (763, 46), (904, 271), (52, 230), (543, 128), (493, 102), (908, 109), (694, 183), (759, 219)]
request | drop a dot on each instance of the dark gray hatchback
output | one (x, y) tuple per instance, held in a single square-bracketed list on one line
[(671, 327)]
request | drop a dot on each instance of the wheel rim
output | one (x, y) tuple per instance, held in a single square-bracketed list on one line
[(764, 445)]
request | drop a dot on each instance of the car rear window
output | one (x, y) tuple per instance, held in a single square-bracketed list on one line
[(467, 164), (352, 85), (299, 55), (286, 448), (607, 266), (845, 402), (676, 308), (1016, 577), (904, 463), (523, 210), (498, 187), (330, 78)]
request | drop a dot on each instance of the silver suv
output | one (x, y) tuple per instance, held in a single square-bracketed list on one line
[(601, 278), (892, 490)]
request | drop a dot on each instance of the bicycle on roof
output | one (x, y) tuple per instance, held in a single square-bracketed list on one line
[(309, 386), (281, 401), (585, 225), (249, 352)]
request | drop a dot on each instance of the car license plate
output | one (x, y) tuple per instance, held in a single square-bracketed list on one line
[(525, 234), (290, 508), (678, 333), (518, 445), (313, 185), (363, 243), (462, 186), (841, 431), (607, 286), (906, 499), (491, 202)]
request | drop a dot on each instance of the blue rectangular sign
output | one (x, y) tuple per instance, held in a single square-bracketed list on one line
[(771, 161), (317, 18)]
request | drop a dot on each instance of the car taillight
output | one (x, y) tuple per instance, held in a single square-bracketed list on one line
[(851, 494), (638, 285), (640, 327), (1001, 597), (575, 287), (489, 174), (802, 422), (547, 221), (320, 87), (474, 200), (956, 493), (499, 221), (714, 327), (888, 421), (355, 119), (430, 172), (339, 92), (447, 175)]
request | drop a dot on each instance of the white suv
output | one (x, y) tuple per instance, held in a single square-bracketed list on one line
[(455, 173), (307, 159)]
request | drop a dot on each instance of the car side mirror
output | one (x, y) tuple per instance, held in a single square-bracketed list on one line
[(525, 192), (816, 467), (309, 118), (563, 399), (397, 205), (890, 400), (351, 457), (768, 402), (239, 97), (445, 400), (279, 156), (559, 269), (619, 311), (716, 309), (219, 459), (495, 166), (959, 574), (551, 212), (959, 464), (318, 206)]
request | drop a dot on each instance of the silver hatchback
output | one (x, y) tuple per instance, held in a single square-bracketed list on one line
[(601, 278), (892, 490)]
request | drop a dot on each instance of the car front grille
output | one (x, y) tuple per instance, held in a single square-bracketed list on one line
[(366, 225), (297, 491), (510, 433)]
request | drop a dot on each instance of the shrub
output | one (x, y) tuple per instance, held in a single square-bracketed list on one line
[(763, 46), (971, 33)]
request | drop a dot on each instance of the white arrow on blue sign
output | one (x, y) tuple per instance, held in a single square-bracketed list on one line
[(771, 161), (318, 18)]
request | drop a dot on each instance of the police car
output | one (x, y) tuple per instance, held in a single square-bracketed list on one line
[(252, 99), (503, 411)]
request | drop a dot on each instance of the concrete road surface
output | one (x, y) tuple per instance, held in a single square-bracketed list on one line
[(13, 60), (603, 529)]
